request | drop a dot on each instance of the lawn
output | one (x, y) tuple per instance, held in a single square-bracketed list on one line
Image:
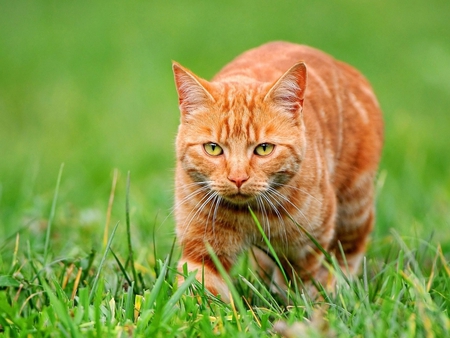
[(88, 116)]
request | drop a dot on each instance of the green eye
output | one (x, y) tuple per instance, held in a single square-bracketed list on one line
[(264, 149), (213, 149)]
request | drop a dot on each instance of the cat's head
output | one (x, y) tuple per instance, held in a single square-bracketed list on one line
[(240, 138)]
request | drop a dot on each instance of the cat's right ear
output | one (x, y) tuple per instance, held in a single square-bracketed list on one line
[(193, 94), (289, 91)]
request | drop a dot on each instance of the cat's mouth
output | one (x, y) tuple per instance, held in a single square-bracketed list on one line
[(239, 198)]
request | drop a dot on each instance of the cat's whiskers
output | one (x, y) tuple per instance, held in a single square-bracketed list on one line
[(216, 207), (266, 197), (288, 214), (270, 196), (209, 214), (260, 187), (303, 191), (277, 193), (186, 198), (203, 201), (190, 184), (265, 220), (204, 186), (211, 210), (202, 183)]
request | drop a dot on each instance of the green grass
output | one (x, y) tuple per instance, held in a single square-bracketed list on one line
[(90, 85)]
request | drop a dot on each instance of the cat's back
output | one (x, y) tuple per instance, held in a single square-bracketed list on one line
[(269, 61)]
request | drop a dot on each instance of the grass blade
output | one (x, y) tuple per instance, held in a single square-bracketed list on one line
[(52, 214), (97, 276), (260, 296), (271, 249), (129, 305), (121, 267), (127, 220), (60, 308), (110, 204), (157, 287), (234, 294), (170, 305)]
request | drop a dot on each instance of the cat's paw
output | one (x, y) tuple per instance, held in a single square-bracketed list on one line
[(210, 278)]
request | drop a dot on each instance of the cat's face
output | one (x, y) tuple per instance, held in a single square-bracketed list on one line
[(237, 141)]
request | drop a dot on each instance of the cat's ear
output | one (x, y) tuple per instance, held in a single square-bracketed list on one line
[(289, 90), (192, 92)]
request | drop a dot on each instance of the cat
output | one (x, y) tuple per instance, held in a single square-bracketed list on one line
[(292, 134)]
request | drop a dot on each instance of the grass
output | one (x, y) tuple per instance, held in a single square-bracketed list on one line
[(403, 291), (88, 250)]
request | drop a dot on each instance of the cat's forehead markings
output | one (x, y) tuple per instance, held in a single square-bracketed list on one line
[(239, 97), (236, 128), (233, 126)]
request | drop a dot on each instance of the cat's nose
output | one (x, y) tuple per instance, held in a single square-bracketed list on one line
[(238, 180)]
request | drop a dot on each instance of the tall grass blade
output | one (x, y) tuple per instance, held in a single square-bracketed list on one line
[(172, 250), (97, 276), (264, 299), (110, 204), (60, 308), (269, 245), (234, 294), (52, 214), (148, 304), (121, 267), (97, 309), (168, 308), (129, 306), (127, 220)]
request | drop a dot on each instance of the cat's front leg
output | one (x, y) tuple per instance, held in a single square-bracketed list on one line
[(209, 277), (206, 271)]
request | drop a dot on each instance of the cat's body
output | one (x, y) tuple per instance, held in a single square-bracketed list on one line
[(256, 137)]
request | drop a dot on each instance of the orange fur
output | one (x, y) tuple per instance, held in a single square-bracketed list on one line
[(326, 127)]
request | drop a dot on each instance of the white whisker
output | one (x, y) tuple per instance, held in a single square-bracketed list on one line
[(203, 187), (277, 193), (216, 207), (188, 197), (265, 220), (203, 201), (298, 189), (274, 196), (266, 197), (212, 210)]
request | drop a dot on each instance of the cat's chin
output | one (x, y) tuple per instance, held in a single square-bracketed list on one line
[(239, 199)]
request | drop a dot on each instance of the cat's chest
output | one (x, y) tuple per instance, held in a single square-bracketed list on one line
[(278, 229)]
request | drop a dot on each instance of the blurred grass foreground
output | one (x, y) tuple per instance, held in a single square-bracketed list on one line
[(89, 84)]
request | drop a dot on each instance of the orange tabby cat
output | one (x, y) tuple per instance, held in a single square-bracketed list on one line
[(291, 133)]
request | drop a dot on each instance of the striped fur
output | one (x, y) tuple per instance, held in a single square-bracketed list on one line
[(326, 125)]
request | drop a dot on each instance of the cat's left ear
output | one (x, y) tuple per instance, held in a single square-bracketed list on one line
[(193, 94), (289, 90)]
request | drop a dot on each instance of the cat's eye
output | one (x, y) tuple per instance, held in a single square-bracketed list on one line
[(213, 149), (264, 149)]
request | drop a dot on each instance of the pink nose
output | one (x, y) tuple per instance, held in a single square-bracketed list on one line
[(238, 180)]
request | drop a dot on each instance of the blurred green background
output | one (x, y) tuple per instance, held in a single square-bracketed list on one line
[(89, 83)]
